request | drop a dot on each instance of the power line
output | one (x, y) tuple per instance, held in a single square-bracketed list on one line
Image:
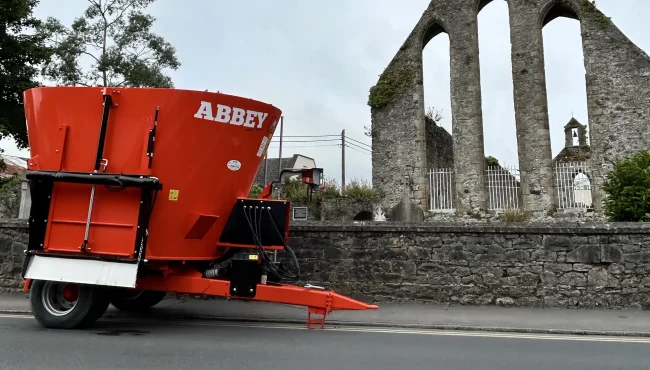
[(359, 150), (311, 146), (358, 147), (348, 145), (303, 136), (357, 141), (275, 139), (305, 141), (321, 141)]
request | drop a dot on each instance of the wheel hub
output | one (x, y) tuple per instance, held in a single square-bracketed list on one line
[(71, 292), (60, 298)]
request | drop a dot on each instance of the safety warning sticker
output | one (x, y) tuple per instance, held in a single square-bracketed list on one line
[(262, 150)]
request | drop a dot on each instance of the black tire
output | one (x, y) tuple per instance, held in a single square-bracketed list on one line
[(136, 300), (52, 310)]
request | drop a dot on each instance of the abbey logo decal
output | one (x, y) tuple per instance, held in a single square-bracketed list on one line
[(232, 115)]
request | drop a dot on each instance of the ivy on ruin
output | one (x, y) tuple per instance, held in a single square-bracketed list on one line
[(590, 10), (392, 85)]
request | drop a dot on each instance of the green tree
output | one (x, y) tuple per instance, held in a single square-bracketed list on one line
[(628, 189), (115, 39), (21, 54)]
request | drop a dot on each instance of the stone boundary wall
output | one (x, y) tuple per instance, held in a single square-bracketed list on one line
[(345, 209), (585, 265), (13, 242), (575, 266)]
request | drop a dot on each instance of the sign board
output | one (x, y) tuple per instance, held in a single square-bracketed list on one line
[(300, 213)]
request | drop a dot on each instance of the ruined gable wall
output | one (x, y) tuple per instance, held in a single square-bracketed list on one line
[(397, 102), (618, 94), (618, 76)]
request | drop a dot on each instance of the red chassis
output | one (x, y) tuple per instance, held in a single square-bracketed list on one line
[(188, 281)]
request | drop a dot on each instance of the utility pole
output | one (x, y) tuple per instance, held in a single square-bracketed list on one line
[(266, 162), (281, 133), (343, 160)]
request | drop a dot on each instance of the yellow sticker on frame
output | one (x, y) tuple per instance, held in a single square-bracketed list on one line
[(173, 194)]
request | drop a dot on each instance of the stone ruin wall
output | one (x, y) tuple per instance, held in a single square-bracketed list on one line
[(618, 99), (440, 146)]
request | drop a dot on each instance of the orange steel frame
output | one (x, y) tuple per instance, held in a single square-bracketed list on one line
[(319, 302), (185, 280)]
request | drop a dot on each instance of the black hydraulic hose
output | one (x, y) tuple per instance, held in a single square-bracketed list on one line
[(260, 248), (286, 246)]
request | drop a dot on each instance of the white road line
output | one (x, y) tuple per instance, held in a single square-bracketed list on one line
[(17, 316), (452, 333)]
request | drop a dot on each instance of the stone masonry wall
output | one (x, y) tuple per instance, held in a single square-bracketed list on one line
[(538, 266), (13, 241), (345, 209), (440, 146), (575, 266)]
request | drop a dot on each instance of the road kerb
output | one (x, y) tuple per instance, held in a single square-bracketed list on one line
[(339, 323)]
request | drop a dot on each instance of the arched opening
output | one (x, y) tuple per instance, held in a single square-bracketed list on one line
[(582, 190), (436, 69), (558, 10), (364, 216), (565, 72), (499, 125), (482, 4)]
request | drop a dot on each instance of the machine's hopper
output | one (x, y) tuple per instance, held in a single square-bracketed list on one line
[(204, 149)]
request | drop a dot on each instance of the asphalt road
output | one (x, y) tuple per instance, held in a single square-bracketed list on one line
[(211, 345)]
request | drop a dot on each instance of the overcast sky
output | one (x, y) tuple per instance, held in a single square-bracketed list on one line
[(316, 60)]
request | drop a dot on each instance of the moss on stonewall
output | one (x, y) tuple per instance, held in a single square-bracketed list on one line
[(392, 84), (589, 9)]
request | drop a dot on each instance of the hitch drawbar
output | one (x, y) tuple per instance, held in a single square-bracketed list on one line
[(319, 302)]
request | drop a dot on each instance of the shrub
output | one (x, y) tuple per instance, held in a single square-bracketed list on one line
[(255, 192), (294, 190), (9, 184), (332, 189), (628, 189), (490, 161), (360, 190), (515, 215)]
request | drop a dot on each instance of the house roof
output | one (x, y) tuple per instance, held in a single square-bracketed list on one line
[(273, 168), (14, 165)]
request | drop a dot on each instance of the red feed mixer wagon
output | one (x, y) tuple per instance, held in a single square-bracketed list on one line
[(137, 192)]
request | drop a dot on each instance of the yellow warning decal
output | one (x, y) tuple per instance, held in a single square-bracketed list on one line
[(252, 257), (173, 194)]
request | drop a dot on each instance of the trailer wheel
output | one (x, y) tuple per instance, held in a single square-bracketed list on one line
[(136, 300), (64, 305)]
